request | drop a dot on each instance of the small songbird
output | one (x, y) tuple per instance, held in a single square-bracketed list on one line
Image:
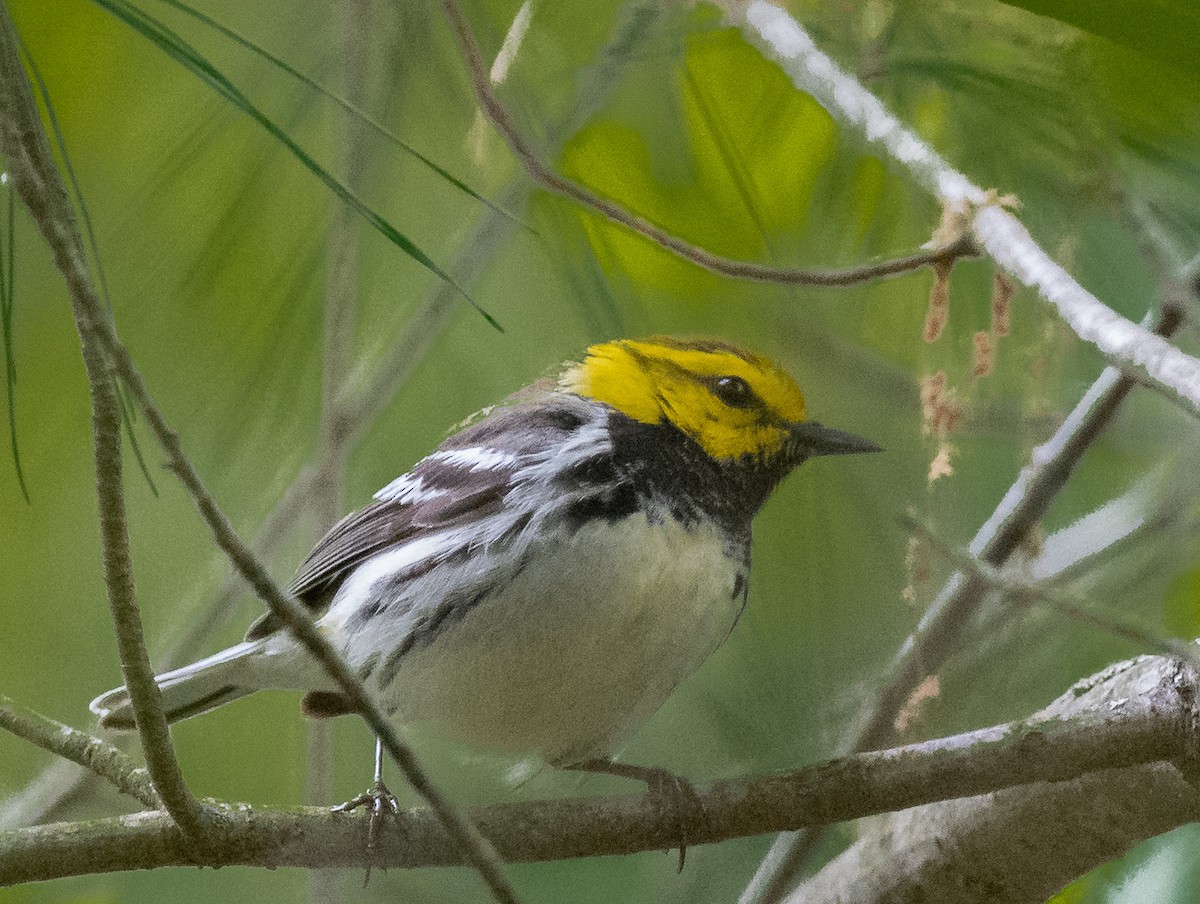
[(545, 579)]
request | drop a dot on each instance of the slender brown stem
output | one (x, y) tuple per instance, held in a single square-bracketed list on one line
[(41, 189), (541, 174)]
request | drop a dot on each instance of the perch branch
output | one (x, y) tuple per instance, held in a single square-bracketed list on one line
[(374, 385), (1158, 726)]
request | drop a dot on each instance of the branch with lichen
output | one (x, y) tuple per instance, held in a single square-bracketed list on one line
[(1023, 845), (1081, 740)]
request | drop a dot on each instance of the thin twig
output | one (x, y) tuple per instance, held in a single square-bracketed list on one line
[(1026, 593), (41, 189), (57, 787), (981, 213), (964, 246), (52, 791), (1045, 749), (939, 632), (94, 754), (301, 625)]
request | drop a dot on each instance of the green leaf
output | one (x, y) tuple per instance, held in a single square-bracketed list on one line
[(188, 57), (128, 412), (339, 100), (7, 256)]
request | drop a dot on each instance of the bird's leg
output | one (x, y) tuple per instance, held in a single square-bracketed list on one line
[(672, 792), (381, 801)]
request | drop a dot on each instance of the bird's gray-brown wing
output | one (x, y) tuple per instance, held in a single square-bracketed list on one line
[(464, 481), (383, 524)]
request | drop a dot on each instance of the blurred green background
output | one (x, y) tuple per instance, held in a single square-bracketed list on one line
[(216, 242)]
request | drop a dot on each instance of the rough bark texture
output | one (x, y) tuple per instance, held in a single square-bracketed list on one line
[(1025, 844)]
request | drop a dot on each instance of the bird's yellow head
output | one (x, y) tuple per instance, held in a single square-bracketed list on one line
[(733, 403)]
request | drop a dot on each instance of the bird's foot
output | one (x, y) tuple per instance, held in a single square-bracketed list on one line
[(675, 796), (381, 803)]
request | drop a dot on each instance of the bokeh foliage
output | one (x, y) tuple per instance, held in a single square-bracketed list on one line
[(214, 241)]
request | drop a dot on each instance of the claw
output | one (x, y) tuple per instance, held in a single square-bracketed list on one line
[(672, 793), (382, 803), (678, 795)]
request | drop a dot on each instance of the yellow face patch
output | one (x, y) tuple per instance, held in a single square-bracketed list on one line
[(730, 401)]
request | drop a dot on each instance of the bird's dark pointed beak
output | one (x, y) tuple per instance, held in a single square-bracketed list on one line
[(814, 439)]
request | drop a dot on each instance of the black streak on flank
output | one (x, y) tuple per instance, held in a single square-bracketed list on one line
[(451, 611), (367, 611), (325, 705), (365, 670)]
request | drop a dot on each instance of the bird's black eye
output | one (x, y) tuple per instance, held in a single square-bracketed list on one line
[(734, 392)]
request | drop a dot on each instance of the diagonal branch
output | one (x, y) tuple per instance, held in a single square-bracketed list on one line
[(998, 232), (376, 383), (1022, 845), (1023, 592), (541, 174), (88, 751), (41, 189)]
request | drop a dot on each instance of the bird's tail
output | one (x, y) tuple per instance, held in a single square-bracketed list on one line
[(186, 691)]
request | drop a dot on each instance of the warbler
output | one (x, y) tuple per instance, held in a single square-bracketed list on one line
[(543, 581)]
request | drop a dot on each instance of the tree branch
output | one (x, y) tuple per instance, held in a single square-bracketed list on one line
[(1156, 722), (1022, 845), (1002, 236), (1023, 592), (38, 183), (998, 232), (94, 754), (962, 246)]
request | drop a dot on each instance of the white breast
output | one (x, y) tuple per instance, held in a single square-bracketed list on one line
[(579, 647)]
